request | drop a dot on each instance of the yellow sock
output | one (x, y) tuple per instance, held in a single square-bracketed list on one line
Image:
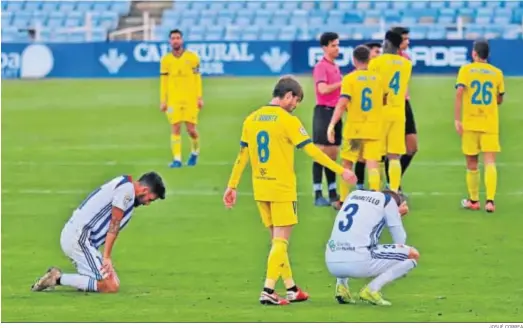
[(195, 145), (277, 260), (395, 174), (491, 180), (176, 146), (473, 184), (374, 179), (344, 190)]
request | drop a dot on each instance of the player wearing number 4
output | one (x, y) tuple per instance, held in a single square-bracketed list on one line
[(353, 250), (396, 71), (479, 91), (362, 95), (268, 139)]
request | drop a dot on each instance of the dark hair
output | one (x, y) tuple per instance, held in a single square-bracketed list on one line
[(361, 53), (482, 48), (175, 31), (327, 37), (394, 38), (400, 30), (397, 197), (155, 183), (287, 84), (371, 45)]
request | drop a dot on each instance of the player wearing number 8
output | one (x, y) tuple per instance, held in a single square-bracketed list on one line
[(479, 91), (396, 71), (362, 95), (268, 139)]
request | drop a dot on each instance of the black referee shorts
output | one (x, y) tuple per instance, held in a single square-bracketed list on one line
[(410, 124), (320, 124)]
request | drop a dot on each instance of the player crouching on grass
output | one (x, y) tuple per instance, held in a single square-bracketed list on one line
[(353, 250), (96, 222)]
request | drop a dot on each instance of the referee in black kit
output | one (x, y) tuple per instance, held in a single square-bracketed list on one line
[(327, 86)]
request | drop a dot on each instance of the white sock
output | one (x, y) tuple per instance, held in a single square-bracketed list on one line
[(342, 281), (79, 281), (395, 272)]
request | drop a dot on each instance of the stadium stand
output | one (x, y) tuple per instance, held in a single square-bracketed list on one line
[(60, 21)]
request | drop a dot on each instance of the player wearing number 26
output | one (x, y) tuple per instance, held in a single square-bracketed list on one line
[(396, 71), (363, 96), (479, 91), (268, 139)]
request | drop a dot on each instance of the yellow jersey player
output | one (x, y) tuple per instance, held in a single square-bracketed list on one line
[(396, 71), (268, 139), (362, 95), (479, 91), (181, 96)]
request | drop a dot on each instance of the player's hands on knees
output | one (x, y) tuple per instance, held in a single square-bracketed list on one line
[(404, 208), (229, 197), (330, 134), (349, 176), (200, 103), (163, 107), (459, 127)]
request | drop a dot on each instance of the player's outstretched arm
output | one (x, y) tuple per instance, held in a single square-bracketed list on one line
[(229, 198), (112, 233), (341, 106), (320, 157)]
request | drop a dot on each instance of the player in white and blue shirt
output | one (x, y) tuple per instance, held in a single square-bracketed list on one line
[(96, 222), (353, 250)]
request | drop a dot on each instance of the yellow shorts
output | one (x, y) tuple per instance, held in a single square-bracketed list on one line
[(278, 214), (367, 149), (182, 113), (394, 137), (474, 142)]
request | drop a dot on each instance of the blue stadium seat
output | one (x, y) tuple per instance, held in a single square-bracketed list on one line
[(15, 6), (170, 22), (335, 16), (501, 20), (456, 4), (437, 4), (233, 33), (518, 15), (99, 34), (280, 19), (76, 37), (73, 22), (121, 7), (392, 17), (365, 32), (512, 4), (250, 33), (235, 5), (474, 4), (308, 5), (363, 5), (32, 6), (419, 4), (208, 21), (214, 33), (400, 5), (67, 6), (289, 6), (271, 5), (326, 5), (84, 6), (300, 17), (492, 4), (191, 14), (6, 19), (199, 5), (352, 18), (225, 17), (101, 6), (253, 5), (243, 21), (382, 5), (484, 12), (288, 33), (108, 19), (435, 35), (20, 22), (510, 35), (57, 14), (418, 35), (217, 6), (269, 33), (181, 5), (345, 5)]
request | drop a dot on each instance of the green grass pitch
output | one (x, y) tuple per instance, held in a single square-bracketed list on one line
[(189, 259)]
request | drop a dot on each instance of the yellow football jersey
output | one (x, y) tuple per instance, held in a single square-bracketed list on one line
[(183, 76), (271, 133), (482, 82), (396, 71), (365, 90)]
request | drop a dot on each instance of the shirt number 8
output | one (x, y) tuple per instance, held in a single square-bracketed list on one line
[(262, 140)]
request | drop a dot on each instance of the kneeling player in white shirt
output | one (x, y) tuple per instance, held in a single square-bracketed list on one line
[(96, 222), (353, 250)]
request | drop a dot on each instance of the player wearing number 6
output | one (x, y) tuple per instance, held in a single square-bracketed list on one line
[(479, 91), (363, 96), (396, 71), (268, 139), (353, 250)]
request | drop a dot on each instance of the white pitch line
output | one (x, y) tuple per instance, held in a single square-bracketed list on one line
[(211, 163), (220, 193)]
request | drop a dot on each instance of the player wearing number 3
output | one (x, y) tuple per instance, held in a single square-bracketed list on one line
[(268, 139), (353, 250), (396, 71), (363, 96), (479, 91)]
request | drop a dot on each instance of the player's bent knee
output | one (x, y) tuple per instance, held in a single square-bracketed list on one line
[(413, 254)]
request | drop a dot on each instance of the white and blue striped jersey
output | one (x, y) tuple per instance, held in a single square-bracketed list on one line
[(360, 222), (93, 215)]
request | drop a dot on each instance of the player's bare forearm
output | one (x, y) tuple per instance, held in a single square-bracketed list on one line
[(199, 88), (341, 106), (238, 168), (164, 82), (324, 88), (112, 233), (500, 98), (320, 157), (458, 103)]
